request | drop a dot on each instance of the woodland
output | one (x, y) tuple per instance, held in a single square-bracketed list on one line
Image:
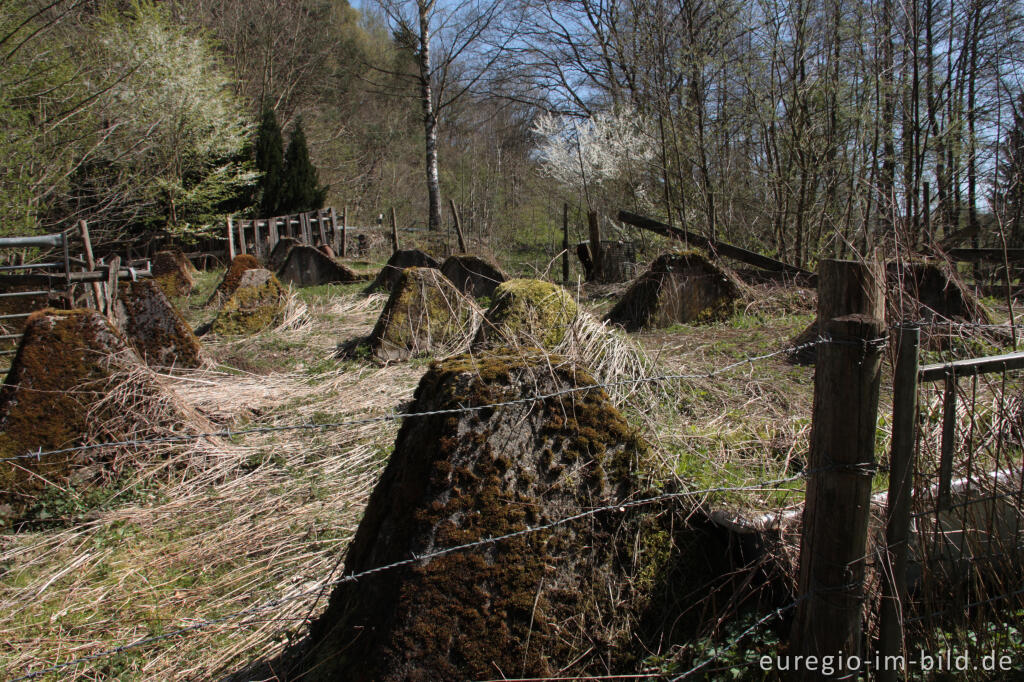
[(800, 129)]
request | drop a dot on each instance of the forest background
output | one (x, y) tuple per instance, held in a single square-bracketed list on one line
[(799, 128)]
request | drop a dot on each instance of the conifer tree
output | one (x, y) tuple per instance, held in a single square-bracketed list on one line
[(270, 162), (302, 190)]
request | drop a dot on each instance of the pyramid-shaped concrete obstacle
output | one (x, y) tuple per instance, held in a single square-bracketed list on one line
[(677, 288), (154, 327), (307, 267), (400, 260), (279, 253), (527, 312), (424, 314), (258, 302), (231, 278), (172, 271), (918, 291), (54, 397), (473, 275), (529, 605)]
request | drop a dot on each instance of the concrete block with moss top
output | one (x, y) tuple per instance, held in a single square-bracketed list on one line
[(677, 288), (425, 313), (392, 270), (154, 327), (473, 275), (172, 271), (257, 303), (307, 267), (54, 397), (528, 312), (559, 601), (232, 278)]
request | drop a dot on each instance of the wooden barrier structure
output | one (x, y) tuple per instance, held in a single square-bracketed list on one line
[(260, 236)]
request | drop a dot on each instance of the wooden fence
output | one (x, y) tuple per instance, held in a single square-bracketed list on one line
[(259, 237)]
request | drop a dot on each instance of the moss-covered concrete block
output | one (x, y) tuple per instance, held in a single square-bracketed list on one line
[(154, 327), (172, 272), (257, 303), (232, 278), (528, 312), (425, 313), (677, 288), (557, 601), (60, 373)]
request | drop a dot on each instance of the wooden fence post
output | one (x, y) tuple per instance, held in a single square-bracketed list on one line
[(394, 231), (840, 468), (595, 245), (275, 236), (90, 260), (344, 232), (231, 240), (242, 248), (901, 490), (113, 270), (335, 235), (565, 244), (321, 216), (458, 227)]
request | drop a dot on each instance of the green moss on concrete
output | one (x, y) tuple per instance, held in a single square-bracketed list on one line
[(62, 362), (424, 312), (532, 605), (232, 278), (155, 328), (251, 308), (529, 311), (172, 272)]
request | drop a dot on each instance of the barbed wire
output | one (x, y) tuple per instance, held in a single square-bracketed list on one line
[(309, 426), (619, 507)]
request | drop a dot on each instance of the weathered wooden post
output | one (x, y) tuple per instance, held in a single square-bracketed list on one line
[(897, 508), (242, 248), (595, 245), (840, 468), (565, 244), (458, 228), (113, 270), (394, 231), (321, 215), (335, 235), (231, 240), (344, 232), (90, 260)]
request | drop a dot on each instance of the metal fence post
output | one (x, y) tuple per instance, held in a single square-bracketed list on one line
[(897, 511)]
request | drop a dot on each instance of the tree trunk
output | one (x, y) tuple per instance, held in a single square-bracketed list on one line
[(429, 117)]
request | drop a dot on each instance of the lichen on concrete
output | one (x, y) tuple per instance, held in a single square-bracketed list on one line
[(527, 312), (257, 303), (553, 601), (154, 327), (425, 313), (61, 371)]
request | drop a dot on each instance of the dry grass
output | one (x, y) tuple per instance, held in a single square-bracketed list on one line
[(202, 531)]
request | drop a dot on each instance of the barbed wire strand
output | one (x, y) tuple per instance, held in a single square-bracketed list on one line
[(231, 433), (415, 558)]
